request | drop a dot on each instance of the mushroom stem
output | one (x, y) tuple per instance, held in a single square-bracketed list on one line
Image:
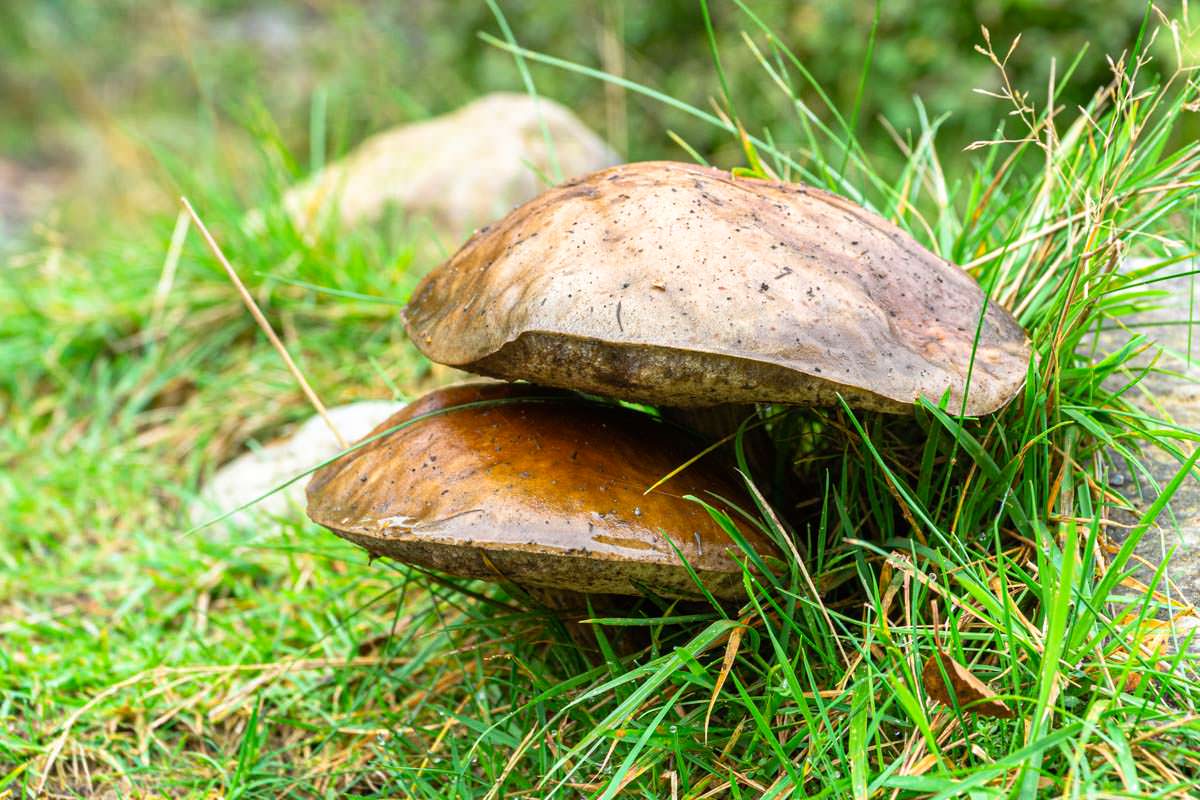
[(721, 421), (572, 608), (561, 600)]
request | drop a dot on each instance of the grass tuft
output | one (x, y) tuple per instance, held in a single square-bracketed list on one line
[(274, 661)]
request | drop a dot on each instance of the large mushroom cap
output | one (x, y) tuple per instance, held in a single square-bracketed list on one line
[(680, 285), (541, 488)]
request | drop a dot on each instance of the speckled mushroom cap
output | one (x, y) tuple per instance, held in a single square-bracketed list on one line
[(541, 488), (677, 284)]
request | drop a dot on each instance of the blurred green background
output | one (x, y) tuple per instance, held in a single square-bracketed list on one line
[(105, 107)]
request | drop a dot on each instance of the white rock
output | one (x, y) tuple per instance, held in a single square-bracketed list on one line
[(462, 169), (256, 473)]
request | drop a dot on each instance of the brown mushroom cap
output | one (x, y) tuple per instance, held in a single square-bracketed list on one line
[(543, 489), (680, 285)]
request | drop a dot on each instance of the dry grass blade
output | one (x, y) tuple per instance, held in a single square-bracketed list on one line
[(265, 325), (60, 742), (731, 651)]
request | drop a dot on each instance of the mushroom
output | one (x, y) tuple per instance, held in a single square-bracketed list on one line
[(665, 283), (680, 285), (538, 487)]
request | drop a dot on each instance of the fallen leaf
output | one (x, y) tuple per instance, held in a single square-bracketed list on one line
[(972, 694)]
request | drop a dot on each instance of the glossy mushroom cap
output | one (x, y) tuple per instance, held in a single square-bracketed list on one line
[(680, 285), (541, 488)]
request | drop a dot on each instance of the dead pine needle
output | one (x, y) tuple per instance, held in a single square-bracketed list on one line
[(266, 326)]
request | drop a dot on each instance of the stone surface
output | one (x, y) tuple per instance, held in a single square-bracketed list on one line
[(254, 474), (462, 169), (1178, 397)]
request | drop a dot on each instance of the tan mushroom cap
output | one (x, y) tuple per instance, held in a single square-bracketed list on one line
[(680, 285), (543, 489)]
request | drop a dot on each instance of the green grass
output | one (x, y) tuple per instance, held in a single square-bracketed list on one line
[(274, 660)]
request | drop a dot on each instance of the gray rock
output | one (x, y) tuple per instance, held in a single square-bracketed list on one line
[(254, 474), (462, 169), (1178, 398)]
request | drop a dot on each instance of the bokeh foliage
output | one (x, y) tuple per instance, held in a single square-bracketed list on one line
[(95, 91)]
